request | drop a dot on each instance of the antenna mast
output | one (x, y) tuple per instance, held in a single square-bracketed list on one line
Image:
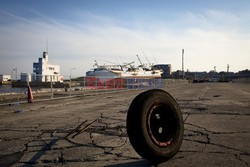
[(146, 58), (155, 59), (116, 60), (121, 60), (139, 60), (47, 47)]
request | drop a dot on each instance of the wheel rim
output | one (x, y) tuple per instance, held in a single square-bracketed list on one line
[(162, 125)]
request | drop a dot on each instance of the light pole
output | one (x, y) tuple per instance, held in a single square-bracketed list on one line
[(70, 81)]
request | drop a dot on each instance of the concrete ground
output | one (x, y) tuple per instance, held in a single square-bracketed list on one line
[(217, 129)]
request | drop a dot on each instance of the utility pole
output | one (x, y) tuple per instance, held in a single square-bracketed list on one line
[(70, 80), (227, 72), (183, 73)]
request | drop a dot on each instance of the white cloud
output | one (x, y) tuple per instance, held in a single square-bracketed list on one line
[(78, 45)]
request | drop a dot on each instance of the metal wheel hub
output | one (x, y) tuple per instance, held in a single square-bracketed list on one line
[(161, 125)]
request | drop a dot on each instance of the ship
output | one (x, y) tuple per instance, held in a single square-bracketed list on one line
[(125, 70)]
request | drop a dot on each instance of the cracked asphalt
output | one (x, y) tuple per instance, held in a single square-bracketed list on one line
[(216, 116)]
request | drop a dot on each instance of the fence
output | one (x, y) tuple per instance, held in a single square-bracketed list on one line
[(49, 87)]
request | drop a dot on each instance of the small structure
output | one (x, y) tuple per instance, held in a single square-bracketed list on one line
[(5, 78), (25, 77), (43, 71), (166, 68)]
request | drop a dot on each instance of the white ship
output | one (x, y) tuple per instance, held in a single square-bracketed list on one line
[(126, 70)]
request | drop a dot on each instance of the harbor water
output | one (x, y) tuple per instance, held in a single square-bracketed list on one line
[(8, 89)]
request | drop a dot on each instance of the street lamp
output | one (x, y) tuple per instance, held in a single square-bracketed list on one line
[(70, 81)]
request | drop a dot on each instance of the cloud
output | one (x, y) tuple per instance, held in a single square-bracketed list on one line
[(206, 42)]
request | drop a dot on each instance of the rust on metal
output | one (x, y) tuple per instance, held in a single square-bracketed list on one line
[(76, 129), (85, 128)]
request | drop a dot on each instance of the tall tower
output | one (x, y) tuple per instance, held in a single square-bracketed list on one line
[(183, 73)]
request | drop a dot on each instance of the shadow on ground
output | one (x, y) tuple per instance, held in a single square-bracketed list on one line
[(140, 163)]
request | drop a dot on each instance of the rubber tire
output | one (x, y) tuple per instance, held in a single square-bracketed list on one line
[(137, 128)]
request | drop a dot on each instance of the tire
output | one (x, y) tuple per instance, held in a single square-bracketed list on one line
[(155, 125)]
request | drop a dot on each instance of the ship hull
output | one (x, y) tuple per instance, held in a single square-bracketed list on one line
[(109, 74)]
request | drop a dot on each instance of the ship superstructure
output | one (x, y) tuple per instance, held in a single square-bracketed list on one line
[(126, 70)]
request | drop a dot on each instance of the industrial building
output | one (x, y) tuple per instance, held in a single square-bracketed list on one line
[(25, 77), (5, 78), (166, 68)]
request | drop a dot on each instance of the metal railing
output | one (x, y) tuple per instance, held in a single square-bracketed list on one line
[(49, 87)]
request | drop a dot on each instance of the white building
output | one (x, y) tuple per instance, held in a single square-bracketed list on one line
[(43, 71), (25, 77), (5, 78)]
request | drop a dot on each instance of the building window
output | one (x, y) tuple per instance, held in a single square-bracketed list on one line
[(51, 68)]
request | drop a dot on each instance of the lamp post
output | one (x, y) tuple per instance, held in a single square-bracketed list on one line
[(70, 80)]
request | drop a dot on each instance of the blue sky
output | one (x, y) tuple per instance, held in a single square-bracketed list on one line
[(213, 33)]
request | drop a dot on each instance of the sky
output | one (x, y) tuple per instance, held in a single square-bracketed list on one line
[(213, 33)]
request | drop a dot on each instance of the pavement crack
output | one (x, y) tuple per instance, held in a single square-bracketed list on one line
[(61, 160), (237, 156), (212, 132), (202, 93), (186, 117), (230, 148)]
